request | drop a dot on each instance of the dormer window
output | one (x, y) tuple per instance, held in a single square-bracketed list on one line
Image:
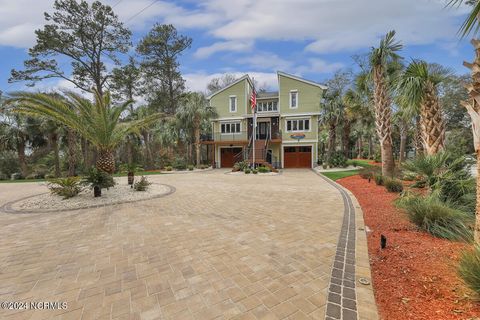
[(293, 99), (233, 103)]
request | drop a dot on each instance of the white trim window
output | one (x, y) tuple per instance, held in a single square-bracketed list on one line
[(293, 99), (233, 103), (230, 127), (298, 125), (267, 106)]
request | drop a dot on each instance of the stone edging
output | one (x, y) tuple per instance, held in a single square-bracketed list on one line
[(345, 301), (7, 207)]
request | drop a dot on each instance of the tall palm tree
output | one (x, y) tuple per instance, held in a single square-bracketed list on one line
[(330, 115), (192, 113), (472, 23), (418, 88), (98, 122), (380, 58)]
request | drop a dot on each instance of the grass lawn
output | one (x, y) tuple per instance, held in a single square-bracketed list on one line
[(335, 175), (361, 162)]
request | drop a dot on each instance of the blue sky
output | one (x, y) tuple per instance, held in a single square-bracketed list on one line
[(309, 38)]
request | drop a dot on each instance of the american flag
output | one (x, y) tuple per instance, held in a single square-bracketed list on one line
[(253, 99)]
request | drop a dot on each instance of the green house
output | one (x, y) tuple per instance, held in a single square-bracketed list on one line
[(287, 124)]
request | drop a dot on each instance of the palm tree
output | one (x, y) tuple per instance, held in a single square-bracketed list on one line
[(330, 116), (380, 59), (192, 113), (97, 122), (472, 23), (418, 88)]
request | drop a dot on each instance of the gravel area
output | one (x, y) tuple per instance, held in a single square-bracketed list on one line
[(118, 194)]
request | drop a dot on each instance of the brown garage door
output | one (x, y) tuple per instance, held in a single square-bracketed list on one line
[(297, 157), (228, 156)]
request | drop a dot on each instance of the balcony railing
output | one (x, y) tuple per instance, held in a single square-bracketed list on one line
[(232, 136)]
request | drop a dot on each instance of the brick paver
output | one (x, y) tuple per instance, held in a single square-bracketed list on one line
[(220, 247)]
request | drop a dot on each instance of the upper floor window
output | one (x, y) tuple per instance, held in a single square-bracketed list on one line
[(298, 125), (267, 106), (233, 103), (293, 99), (230, 127)]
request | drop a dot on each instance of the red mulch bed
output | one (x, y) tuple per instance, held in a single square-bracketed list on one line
[(414, 277)]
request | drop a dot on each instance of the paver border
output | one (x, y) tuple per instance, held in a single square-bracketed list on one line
[(345, 300), (7, 207)]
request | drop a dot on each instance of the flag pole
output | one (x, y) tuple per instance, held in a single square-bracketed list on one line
[(254, 124)]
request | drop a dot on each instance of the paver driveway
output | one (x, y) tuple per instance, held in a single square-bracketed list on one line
[(221, 246)]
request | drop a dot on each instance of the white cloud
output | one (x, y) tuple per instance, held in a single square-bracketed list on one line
[(235, 46), (319, 66), (266, 61)]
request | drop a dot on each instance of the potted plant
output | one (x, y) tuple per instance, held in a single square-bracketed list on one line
[(130, 169), (98, 180)]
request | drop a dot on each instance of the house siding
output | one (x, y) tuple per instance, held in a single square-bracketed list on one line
[(221, 101), (309, 96)]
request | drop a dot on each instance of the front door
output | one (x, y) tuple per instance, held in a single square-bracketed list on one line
[(263, 128)]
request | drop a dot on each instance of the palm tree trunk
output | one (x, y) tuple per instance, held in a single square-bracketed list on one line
[(21, 155), (383, 115), (419, 149), (331, 142), (72, 160), (197, 144), (106, 161), (360, 147), (403, 144), (56, 154), (431, 119), (346, 139)]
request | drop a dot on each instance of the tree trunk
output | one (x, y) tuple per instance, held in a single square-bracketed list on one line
[(106, 161), (419, 149), (197, 145), (331, 142), (383, 115), (433, 126), (360, 147), (56, 154), (370, 147), (403, 144), (21, 155), (346, 139), (72, 157)]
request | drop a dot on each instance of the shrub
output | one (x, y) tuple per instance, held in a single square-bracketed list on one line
[(190, 167), (130, 168), (365, 173), (263, 169), (247, 171), (179, 164), (338, 160), (16, 176), (437, 217), (169, 168), (203, 166), (65, 187), (354, 163), (469, 268), (377, 157), (8, 163), (393, 185), (379, 180), (142, 185), (325, 166), (98, 178), (240, 166), (254, 171)]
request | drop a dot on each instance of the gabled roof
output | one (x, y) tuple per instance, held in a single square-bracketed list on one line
[(313, 83), (232, 84)]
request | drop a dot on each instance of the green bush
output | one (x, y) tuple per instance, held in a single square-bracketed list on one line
[(190, 167), (366, 173), (169, 168), (437, 217), (8, 163), (254, 171), (98, 178), (142, 185), (130, 168), (338, 160), (240, 166), (179, 164), (263, 169), (65, 187), (379, 180), (247, 171), (393, 185), (469, 268)]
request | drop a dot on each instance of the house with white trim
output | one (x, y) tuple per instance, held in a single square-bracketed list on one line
[(287, 124)]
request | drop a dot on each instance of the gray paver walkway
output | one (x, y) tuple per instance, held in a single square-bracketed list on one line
[(220, 247)]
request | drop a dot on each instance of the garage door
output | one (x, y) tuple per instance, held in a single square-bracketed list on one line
[(228, 156), (297, 157)]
